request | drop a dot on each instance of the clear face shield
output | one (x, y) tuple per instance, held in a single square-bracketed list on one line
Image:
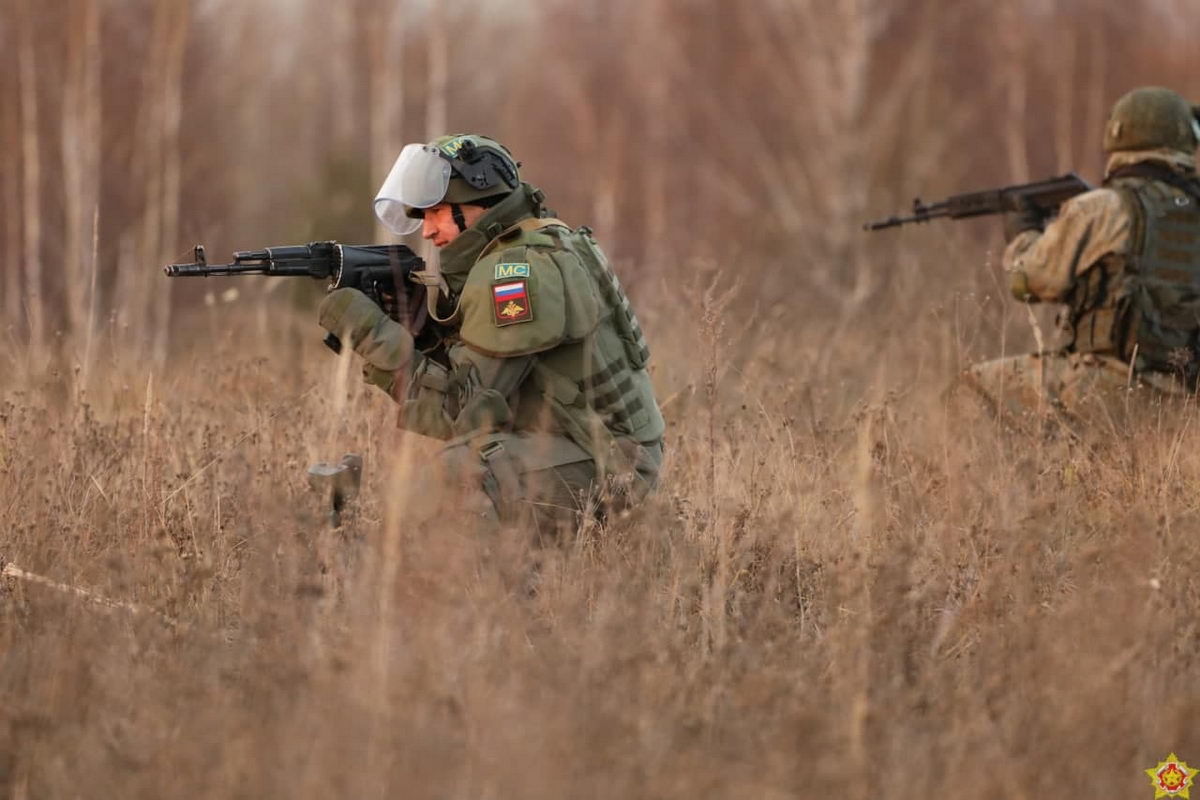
[(418, 179)]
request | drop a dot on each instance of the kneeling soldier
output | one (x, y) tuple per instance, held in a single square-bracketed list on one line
[(540, 384), (1125, 261)]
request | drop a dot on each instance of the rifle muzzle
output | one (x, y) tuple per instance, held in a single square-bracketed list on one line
[(177, 270)]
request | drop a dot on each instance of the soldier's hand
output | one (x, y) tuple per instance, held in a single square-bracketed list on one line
[(352, 316), (1026, 217), (1018, 285)]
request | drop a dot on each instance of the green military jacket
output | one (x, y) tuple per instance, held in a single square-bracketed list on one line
[(543, 339)]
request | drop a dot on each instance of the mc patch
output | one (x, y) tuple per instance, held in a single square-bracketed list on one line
[(506, 271), (452, 147), (511, 302)]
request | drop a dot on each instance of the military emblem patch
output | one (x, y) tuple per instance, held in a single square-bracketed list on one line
[(506, 272), (1171, 778), (511, 303)]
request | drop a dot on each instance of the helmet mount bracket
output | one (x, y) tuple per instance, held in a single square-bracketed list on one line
[(481, 167)]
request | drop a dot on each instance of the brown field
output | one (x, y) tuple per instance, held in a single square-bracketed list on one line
[(837, 592)]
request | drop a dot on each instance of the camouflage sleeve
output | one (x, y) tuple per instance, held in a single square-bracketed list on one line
[(1043, 265)]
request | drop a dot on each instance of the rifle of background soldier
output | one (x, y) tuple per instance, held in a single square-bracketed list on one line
[(381, 271), (1043, 197)]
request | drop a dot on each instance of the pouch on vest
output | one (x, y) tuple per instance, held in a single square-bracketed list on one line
[(1163, 285), (486, 410), (623, 318), (424, 409), (579, 421)]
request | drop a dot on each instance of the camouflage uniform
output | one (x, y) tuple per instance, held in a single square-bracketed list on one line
[(541, 386), (1120, 258)]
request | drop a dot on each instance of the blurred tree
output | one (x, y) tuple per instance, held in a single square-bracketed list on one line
[(706, 131)]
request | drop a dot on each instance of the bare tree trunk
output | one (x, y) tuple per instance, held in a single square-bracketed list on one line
[(1016, 85), (160, 170), (1097, 98), (342, 73), (31, 195), (10, 158), (859, 20), (11, 265), (435, 107), (386, 42), (435, 101), (594, 141), (1064, 101), (660, 41), (172, 182), (136, 291), (831, 68), (81, 157), (244, 23)]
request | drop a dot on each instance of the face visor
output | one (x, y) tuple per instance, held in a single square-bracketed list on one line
[(418, 179)]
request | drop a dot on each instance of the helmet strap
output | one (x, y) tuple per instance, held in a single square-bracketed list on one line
[(459, 219)]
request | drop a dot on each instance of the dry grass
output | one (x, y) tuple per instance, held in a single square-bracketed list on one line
[(817, 604), (838, 591)]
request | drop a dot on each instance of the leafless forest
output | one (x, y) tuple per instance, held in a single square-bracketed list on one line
[(837, 592)]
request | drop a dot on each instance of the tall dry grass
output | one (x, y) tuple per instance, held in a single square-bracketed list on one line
[(816, 604), (837, 592)]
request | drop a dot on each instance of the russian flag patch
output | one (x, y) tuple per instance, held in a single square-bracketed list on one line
[(510, 300)]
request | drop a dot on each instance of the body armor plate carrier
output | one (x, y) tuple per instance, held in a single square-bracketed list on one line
[(1158, 303)]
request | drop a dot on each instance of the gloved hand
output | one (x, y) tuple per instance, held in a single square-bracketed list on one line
[(384, 343), (1018, 285), (1026, 217)]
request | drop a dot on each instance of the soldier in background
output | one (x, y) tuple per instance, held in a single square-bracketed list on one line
[(1125, 261), (541, 386)]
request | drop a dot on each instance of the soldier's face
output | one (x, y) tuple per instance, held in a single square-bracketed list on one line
[(439, 226)]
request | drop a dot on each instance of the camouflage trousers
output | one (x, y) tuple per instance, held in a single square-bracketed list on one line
[(541, 480), (1069, 388)]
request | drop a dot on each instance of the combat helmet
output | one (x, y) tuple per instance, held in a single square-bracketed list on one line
[(1150, 118), (456, 169)]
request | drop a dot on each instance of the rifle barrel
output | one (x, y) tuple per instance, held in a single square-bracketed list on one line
[(288, 269), (208, 270), (895, 222)]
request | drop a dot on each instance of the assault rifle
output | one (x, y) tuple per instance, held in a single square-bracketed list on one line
[(381, 271), (1045, 196)]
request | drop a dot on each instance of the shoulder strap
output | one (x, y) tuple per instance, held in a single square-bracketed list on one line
[(1123, 320), (525, 226), (1137, 215), (1150, 170), (537, 223)]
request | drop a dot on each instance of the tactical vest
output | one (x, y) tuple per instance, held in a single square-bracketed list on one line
[(598, 387), (1144, 305), (593, 387)]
